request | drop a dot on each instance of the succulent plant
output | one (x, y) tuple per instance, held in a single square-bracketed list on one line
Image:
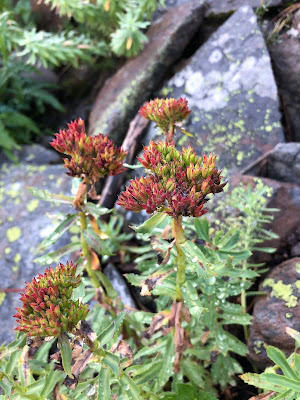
[(48, 308), (92, 157), (166, 112), (177, 182)]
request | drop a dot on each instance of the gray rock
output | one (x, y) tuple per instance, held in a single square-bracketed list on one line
[(285, 55), (34, 154), (232, 93), (217, 7), (275, 311), (23, 226), (119, 284), (284, 163), (122, 95)]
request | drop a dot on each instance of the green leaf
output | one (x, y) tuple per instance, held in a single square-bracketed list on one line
[(194, 251), (110, 291), (105, 336), (151, 223), (260, 382), (294, 334), (104, 384), (264, 249), (95, 209), (58, 232), (194, 372), (202, 229), (185, 391), (66, 353), (129, 387), (282, 381), (227, 243), (36, 386), (96, 243), (166, 370), (56, 255), (79, 292), (51, 380), (150, 373), (278, 357), (297, 362), (288, 395), (191, 297), (44, 195), (112, 361), (12, 362)]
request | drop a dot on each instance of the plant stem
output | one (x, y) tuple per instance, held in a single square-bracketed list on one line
[(179, 240), (86, 251)]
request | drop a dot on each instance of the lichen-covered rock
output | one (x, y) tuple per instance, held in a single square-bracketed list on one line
[(275, 311), (120, 98), (285, 54), (35, 153), (232, 93), (217, 7), (23, 226), (284, 163)]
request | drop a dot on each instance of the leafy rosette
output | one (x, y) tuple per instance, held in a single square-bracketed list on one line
[(48, 309), (165, 112), (92, 157), (177, 182)]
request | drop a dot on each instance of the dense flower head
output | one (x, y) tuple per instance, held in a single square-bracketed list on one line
[(177, 182), (48, 309), (165, 112), (90, 156)]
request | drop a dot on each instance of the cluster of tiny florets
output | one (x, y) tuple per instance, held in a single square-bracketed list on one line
[(48, 308), (177, 182), (165, 112), (92, 157)]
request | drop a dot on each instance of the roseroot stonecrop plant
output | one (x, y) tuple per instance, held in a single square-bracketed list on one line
[(177, 184), (48, 308), (195, 271)]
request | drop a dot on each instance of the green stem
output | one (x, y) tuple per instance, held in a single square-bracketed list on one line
[(179, 240), (86, 251)]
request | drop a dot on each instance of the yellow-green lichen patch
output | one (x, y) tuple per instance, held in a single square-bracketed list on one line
[(297, 267), (7, 250), (14, 233), (2, 297), (10, 219), (17, 258), (15, 268), (32, 205), (281, 291)]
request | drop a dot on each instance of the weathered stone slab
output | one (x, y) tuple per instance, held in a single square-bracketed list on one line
[(232, 93), (217, 7), (275, 311), (23, 226), (284, 163), (285, 54), (120, 98)]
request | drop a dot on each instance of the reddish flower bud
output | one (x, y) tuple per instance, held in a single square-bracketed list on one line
[(165, 112), (47, 310), (90, 156), (177, 182)]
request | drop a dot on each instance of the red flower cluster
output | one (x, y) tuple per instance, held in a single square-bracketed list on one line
[(177, 182), (48, 309), (90, 156), (165, 112)]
